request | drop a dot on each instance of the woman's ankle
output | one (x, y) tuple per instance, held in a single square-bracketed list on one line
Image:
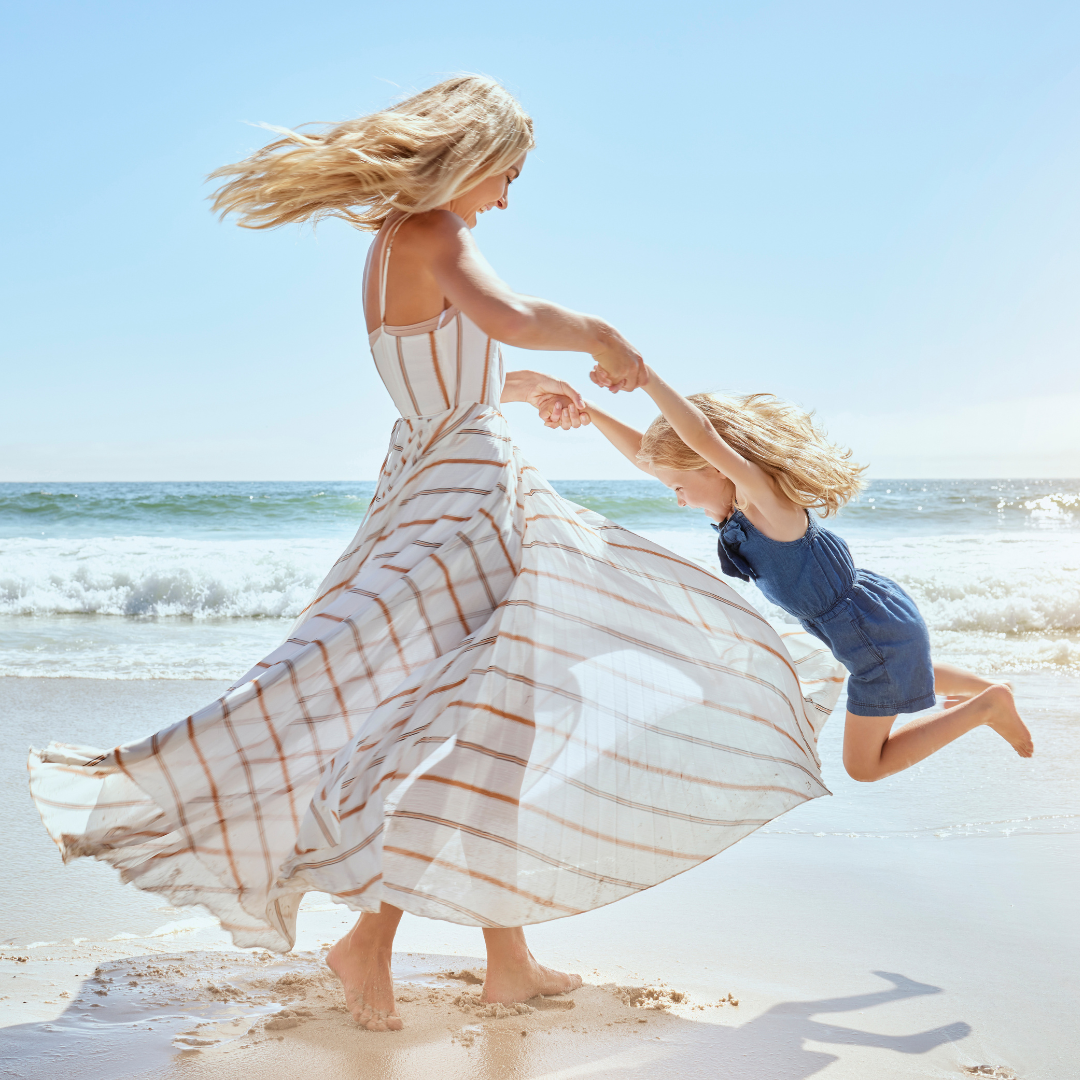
[(375, 932), (506, 946)]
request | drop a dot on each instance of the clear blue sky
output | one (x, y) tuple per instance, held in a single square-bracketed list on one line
[(869, 208)]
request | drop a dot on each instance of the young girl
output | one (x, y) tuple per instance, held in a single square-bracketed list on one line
[(757, 466)]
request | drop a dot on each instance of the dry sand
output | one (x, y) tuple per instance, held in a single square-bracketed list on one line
[(851, 957)]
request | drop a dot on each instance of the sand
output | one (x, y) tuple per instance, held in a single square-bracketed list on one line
[(877, 954)]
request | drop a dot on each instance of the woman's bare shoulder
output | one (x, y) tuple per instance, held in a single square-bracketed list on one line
[(433, 230)]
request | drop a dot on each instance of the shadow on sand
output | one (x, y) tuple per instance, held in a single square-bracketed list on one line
[(600, 1038), (772, 1046)]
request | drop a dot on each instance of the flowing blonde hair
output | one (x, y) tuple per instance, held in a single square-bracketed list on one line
[(810, 470), (413, 156)]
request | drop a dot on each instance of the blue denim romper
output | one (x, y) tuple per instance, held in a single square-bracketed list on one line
[(871, 625)]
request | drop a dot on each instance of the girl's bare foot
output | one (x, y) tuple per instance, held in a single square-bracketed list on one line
[(361, 960), (1005, 720), (513, 973)]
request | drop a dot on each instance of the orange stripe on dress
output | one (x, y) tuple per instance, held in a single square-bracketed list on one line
[(499, 537), (475, 789), (217, 804), (477, 875), (438, 372), (453, 594), (363, 888), (280, 751), (496, 838)]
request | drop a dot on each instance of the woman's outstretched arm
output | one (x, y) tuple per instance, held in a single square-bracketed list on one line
[(527, 322)]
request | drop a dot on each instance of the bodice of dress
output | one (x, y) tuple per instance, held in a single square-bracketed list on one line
[(805, 577), (436, 365)]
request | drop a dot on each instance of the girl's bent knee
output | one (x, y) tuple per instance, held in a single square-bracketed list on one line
[(862, 771)]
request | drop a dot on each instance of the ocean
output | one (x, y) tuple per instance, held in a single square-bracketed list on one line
[(199, 580), (169, 584)]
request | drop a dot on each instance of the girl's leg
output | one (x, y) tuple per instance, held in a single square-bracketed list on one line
[(513, 974), (872, 750), (361, 960), (956, 685)]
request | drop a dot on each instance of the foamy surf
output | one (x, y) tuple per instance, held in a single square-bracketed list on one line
[(166, 581)]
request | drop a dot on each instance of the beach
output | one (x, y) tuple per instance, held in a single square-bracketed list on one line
[(917, 927), (880, 932)]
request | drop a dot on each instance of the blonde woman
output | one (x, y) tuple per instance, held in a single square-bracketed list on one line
[(499, 708), (757, 466)]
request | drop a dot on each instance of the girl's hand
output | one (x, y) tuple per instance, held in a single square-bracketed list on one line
[(560, 411), (619, 366)]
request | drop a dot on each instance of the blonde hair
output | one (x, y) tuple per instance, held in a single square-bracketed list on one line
[(782, 439), (413, 156)]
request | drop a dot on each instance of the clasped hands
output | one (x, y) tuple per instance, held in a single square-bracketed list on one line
[(561, 406), (557, 402)]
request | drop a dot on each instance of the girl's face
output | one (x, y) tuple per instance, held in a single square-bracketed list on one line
[(705, 489), (487, 195)]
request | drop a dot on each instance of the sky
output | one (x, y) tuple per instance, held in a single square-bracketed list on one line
[(869, 209)]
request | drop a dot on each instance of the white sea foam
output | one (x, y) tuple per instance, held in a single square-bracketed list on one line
[(209, 608), (162, 576)]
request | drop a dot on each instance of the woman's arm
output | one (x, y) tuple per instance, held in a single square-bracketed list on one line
[(468, 282)]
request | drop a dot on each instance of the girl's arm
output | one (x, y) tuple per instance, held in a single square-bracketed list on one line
[(468, 282), (623, 437)]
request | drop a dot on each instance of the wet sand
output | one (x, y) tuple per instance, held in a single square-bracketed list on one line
[(883, 953)]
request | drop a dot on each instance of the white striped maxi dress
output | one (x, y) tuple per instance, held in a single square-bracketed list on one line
[(500, 708)]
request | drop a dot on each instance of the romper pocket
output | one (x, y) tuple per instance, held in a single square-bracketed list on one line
[(842, 628)]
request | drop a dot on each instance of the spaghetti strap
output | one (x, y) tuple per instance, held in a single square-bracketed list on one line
[(384, 265)]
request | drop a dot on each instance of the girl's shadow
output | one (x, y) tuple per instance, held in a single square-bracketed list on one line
[(773, 1046)]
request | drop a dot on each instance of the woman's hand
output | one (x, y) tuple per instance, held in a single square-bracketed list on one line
[(557, 402)]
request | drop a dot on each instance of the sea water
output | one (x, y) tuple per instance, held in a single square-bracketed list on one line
[(199, 580)]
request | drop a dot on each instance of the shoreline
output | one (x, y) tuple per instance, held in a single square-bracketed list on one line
[(977, 939)]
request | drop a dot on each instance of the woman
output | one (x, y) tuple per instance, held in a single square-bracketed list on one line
[(499, 708)]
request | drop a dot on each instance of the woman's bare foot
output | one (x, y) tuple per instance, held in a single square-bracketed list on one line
[(513, 973), (361, 960), (1005, 720)]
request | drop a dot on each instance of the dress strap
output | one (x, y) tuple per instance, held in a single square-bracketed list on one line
[(385, 265)]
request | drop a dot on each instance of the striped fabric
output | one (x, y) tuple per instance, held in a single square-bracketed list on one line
[(499, 709)]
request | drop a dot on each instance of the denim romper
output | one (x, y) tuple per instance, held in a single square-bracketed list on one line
[(871, 625)]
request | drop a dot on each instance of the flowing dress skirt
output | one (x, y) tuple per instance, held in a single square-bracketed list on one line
[(500, 709)]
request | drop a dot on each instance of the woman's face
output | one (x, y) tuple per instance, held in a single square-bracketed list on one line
[(705, 489), (487, 195)]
